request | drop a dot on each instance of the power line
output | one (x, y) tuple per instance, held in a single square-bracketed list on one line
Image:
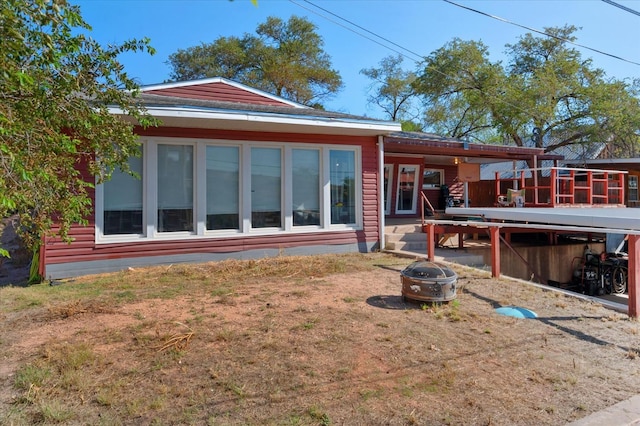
[(416, 55), (625, 8), (542, 32), (429, 67)]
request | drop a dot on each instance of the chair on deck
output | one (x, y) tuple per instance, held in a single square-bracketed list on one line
[(514, 198)]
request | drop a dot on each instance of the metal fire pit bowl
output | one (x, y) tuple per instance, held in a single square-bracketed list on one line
[(428, 282)]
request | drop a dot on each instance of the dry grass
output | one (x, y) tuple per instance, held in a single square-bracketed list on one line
[(305, 341)]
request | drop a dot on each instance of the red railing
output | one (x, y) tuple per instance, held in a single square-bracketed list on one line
[(422, 204), (566, 187)]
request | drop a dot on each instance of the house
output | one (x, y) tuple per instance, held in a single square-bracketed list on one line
[(232, 172)]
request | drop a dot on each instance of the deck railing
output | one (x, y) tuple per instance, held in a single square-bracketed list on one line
[(565, 187), (425, 201)]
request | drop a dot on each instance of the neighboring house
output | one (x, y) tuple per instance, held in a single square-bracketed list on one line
[(232, 172), (574, 154), (629, 165)]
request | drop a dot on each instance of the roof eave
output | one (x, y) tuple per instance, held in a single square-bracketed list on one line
[(263, 121)]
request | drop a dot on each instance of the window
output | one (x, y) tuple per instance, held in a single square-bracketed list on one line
[(343, 184), (306, 186), (123, 201), (223, 187), (633, 188), (266, 187), (175, 188), (202, 188), (432, 178)]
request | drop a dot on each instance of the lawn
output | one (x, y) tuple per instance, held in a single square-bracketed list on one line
[(305, 341)]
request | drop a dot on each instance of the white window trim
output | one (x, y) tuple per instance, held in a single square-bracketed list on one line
[(153, 191), (327, 188), (416, 178), (288, 193), (150, 187), (247, 195), (99, 209)]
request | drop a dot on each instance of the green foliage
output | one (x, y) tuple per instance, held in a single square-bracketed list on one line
[(285, 58), (392, 90), (545, 84), (56, 132)]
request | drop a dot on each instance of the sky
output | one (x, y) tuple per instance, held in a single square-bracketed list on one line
[(410, 27)]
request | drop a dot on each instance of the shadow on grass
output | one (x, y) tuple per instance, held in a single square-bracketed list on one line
[(555, 322), (394, 302)]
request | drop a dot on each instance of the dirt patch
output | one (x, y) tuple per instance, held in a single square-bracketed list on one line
[(337, 349)]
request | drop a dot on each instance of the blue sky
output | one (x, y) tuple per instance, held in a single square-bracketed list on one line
[(421, 26)]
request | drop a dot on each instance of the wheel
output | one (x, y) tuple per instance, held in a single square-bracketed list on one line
[(619, 280)]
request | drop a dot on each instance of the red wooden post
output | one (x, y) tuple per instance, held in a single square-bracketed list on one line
[(633, 274), (494, 231), (431, 241)]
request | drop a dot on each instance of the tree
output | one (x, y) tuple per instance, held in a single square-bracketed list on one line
[(545, 85), (393, 92), (56, 132), (285, 58)]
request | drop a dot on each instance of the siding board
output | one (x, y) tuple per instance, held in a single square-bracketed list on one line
[(218, 91)]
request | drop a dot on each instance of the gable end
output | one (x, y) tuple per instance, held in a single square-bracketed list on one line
[(218, 90)]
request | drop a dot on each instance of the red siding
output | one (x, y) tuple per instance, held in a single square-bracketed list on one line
[(84, 248), (82, 251), (218, 91)]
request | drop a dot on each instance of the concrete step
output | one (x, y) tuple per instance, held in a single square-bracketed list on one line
[(409, 241), (406, 245), (403, 229)]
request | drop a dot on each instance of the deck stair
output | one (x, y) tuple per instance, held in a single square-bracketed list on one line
[(405, 237)]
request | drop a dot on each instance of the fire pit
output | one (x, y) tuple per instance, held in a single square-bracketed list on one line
[(428, 282)]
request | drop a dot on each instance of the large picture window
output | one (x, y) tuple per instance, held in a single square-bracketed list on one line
[(175, 188), (123, 201), (196, 188), (343, 186), (266, 187), (306, 186), (223, 187)]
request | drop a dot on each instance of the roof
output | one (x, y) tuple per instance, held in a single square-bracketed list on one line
[(218, 89), (576, 154), (629, 164), (432, 144), (248, 113)]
